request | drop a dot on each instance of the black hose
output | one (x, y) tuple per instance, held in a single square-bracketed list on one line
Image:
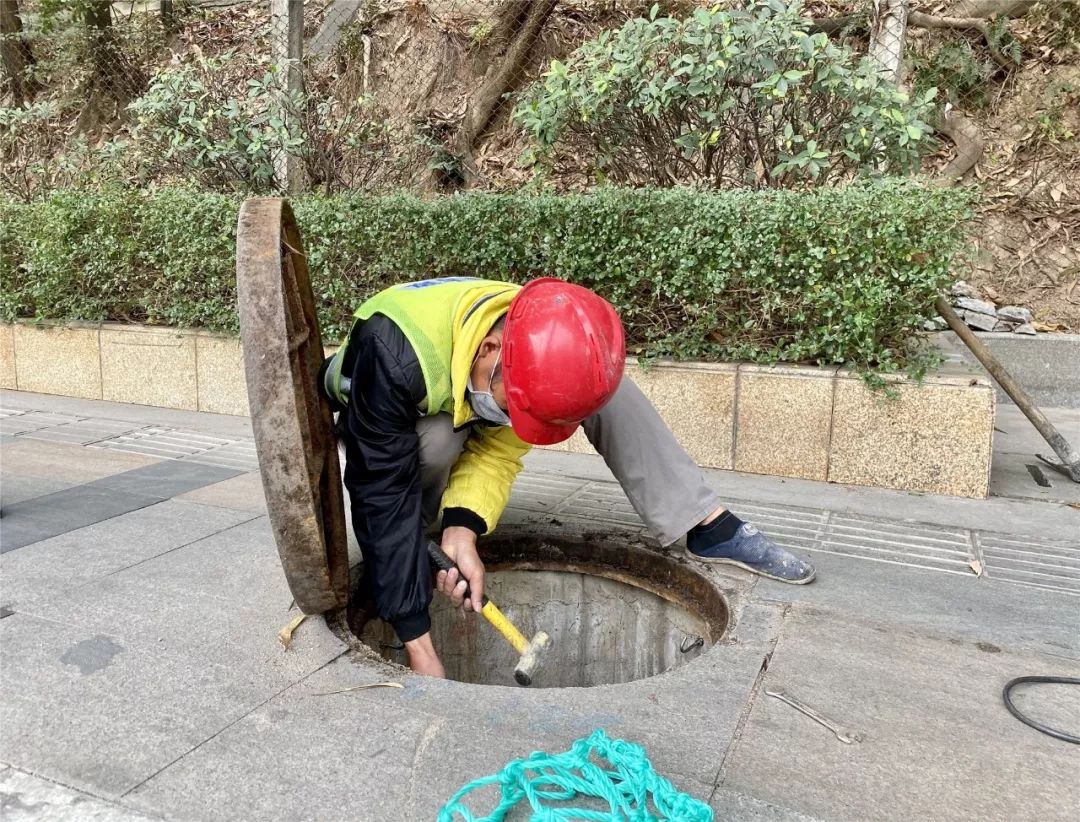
[(1038, 726)]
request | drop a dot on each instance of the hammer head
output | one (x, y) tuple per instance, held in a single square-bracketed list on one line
[(530, 660)]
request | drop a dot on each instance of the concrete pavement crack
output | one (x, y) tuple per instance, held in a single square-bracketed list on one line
[(83, 790), (185, 545), (748, 705), (236, 721)]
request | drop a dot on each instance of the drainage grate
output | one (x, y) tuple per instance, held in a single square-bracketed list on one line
[(899, 543), (799, 529), (1029, 562), (1039, 476), (544, 493), (21, 422), (163, 442), (239, 454), (82, 432), (604, 502)]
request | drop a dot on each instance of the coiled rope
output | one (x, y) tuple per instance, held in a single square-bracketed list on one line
[(612, 770)]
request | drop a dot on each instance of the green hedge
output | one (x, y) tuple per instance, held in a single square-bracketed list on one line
[(842, 275)]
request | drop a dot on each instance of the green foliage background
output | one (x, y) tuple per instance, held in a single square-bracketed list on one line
[(836, 275)]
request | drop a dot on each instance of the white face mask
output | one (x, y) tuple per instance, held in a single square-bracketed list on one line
[(483, 402)]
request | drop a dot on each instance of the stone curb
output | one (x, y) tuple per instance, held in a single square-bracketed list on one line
[(789, 420)]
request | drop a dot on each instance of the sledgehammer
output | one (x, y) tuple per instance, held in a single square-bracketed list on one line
[(530, 651)]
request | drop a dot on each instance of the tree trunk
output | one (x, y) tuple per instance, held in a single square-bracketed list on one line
[(114, 81), (502, 79), (168, 16), (968, 140), (15, 55), (888, 30)]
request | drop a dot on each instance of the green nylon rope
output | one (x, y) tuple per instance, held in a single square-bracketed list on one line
[(613, 770)]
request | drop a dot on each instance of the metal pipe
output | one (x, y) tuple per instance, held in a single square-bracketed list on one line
[(1069, 458)]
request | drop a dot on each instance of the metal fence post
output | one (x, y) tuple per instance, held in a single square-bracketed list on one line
[(287, 44)]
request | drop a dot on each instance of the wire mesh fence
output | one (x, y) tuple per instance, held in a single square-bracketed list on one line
[(440, 95)]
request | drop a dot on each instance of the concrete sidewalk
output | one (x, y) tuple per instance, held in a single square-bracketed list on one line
[(142, 676)]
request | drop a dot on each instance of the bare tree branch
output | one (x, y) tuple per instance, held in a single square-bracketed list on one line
[(927, 21), (991, 8)]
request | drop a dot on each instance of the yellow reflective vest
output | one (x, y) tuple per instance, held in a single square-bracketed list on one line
[(445, 321)]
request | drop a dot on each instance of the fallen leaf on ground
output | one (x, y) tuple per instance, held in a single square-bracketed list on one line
[(285, 634), (1038, 326), (976, 567), (362, 688), (1075, 505)]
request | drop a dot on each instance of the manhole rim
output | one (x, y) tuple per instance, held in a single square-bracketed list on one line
[(620, 558)]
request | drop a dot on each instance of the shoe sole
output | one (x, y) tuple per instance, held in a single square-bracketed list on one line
[(753, 570)]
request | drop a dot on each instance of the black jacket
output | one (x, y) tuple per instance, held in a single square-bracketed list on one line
[(382, 474)]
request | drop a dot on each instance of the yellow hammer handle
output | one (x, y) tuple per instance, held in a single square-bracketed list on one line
[(504, 626)]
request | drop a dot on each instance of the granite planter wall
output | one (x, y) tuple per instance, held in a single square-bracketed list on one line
[(793, 421)]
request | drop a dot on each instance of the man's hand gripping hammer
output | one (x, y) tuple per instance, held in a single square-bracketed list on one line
[(530, 651)]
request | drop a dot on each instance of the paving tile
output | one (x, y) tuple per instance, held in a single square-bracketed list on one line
[(243, 492), (164, 480), (16, 488), (100, 713), (221, 600), (47, 516), (441, 762), (28, 798), (239, 455), (423, 759), (302, 756), (164, 442), (968, 608), (739, 806), (143, 415), (1037, 563), (64, 461), (931, 715), (686, 718), (47, 570)]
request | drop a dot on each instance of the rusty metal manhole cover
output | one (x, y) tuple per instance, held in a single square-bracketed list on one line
[(293, 425)]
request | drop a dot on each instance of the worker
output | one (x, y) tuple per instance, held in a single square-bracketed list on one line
[(443, 386)]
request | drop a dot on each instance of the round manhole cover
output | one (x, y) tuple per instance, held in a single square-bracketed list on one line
[(615, 613)]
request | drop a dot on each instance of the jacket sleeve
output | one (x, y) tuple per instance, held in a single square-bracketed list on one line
[(382, 474), (480, 481)]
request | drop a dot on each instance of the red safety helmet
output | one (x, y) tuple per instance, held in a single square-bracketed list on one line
[(563, 357)]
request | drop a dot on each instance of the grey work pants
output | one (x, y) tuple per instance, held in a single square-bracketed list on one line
[(665, 486)]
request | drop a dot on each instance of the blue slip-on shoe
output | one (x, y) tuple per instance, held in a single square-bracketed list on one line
[(753, 551)]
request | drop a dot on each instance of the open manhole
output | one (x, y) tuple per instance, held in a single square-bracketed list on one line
[(615, 611)]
